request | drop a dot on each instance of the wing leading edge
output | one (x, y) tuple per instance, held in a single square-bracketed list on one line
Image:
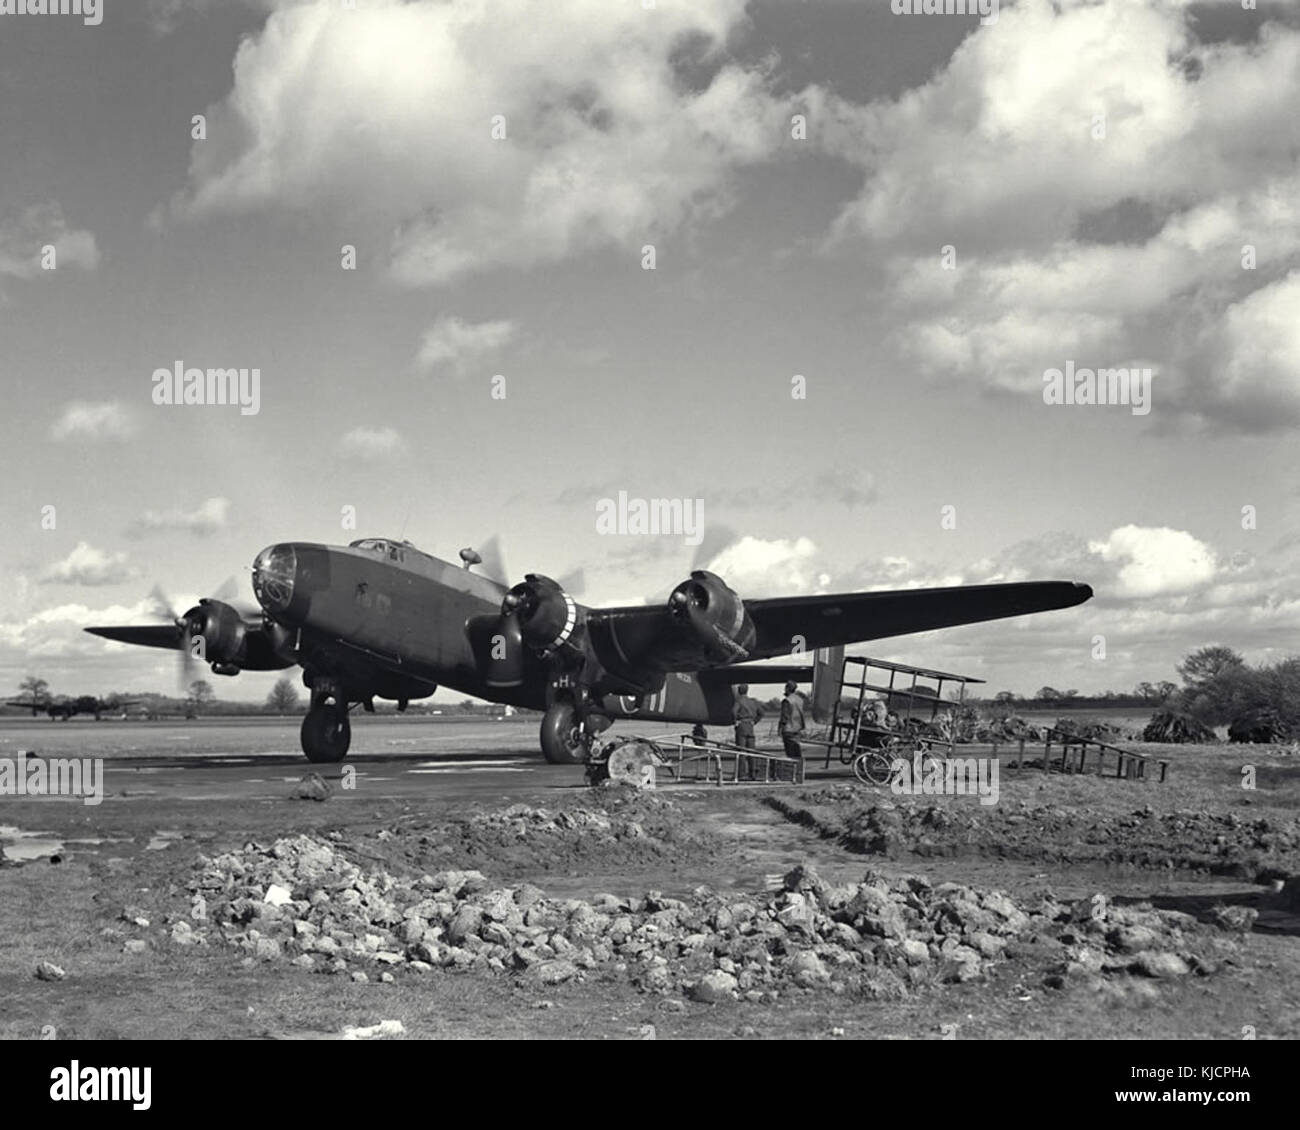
[(824, 621), (803, 623)]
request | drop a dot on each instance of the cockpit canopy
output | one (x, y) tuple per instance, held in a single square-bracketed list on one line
[(385, 547)]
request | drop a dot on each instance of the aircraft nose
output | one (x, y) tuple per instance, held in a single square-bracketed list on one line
[(275, 570)]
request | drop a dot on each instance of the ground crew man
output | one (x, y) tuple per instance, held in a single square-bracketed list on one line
[(792, 724), (745, 712)]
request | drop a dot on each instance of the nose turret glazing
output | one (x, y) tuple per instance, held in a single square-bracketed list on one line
[(274, 571)]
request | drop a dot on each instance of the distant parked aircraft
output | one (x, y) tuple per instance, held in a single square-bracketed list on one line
[(62, 707)]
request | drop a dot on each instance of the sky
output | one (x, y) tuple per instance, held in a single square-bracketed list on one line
[(871, 236)]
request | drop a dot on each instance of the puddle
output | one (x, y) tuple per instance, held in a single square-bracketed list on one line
[(20, 846), (161, 840)]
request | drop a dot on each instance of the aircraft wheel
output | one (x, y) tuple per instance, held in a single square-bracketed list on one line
[(562, 738), (326, 734)]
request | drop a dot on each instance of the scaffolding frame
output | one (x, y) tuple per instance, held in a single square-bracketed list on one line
[(849, 736), (695, 760)]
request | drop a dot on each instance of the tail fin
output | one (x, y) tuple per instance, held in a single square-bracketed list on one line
[(828, 671)]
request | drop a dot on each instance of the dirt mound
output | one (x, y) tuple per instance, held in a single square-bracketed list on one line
[(1170, 726), (613, 826), (302, 901), (1093, 731), (1220, 844), (1010, 728)]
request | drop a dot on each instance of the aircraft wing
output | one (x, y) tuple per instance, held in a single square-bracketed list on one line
[(809, 622), (824, 621)]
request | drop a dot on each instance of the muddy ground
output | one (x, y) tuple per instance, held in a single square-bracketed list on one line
[(1074, 907)]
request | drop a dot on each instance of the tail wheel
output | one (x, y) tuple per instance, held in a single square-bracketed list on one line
[(326, 734), (563, 742)]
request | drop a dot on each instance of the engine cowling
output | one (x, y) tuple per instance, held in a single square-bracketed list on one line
[(550, 621), (539, 615), (221, 628), (714, 616)]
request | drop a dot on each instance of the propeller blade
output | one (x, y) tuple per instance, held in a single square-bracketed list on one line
[(573, 582), (162, 604), (228, 590), (151, 635), (184, 660), (716, 539), (228, 593), (493, 564)]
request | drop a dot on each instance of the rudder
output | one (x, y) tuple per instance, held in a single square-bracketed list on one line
[(828, 671)]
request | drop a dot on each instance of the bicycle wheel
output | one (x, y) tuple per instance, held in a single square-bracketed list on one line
[(873, 768)]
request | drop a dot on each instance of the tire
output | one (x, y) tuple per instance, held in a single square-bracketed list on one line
[(326, 734), (561, 735)]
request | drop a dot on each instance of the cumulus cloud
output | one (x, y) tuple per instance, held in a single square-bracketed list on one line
[(387, 112), (454, 345), (211, 515), (1006, 136), (56, 632), (372, 445), (1099, 172), (86, 565), (24, 236), (897, 572), (165, 16), (1243, 371), (757, 567), (93, 420), (1156, 561), (1130, 563)]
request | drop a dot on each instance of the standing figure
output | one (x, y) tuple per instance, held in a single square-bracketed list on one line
[(744, 713), (792, 723)]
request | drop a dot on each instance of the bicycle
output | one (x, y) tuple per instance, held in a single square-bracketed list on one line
[(877, 766)]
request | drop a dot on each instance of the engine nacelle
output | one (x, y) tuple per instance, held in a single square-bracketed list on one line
[(536, 616), (549, 619), (221, 628), (714, 615)]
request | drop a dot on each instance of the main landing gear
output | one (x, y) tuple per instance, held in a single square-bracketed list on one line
[(563, 739), (326, 731), (568, 734)]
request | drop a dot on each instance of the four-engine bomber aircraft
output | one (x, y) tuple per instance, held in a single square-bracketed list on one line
[(380, 618)]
